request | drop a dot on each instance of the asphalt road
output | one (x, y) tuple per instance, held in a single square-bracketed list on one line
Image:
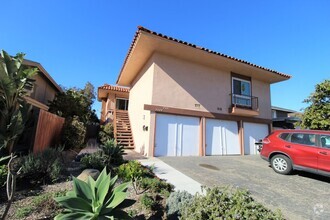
[(299, 196)]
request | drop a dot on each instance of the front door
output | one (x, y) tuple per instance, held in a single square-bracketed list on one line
[(122, 104)]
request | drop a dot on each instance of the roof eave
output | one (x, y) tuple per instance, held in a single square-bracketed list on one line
[(280, 76), (44, 72)]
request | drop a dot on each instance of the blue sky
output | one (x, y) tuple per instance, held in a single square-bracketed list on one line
[(87, 40)]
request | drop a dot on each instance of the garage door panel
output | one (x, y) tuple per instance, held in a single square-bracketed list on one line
[(253, 132), (165, 136), (190, 138), (213, 137), (176, 135), (222, 137)]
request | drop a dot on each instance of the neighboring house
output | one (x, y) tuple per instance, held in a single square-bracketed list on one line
[(188, 100), (44, 90), (284, 118)]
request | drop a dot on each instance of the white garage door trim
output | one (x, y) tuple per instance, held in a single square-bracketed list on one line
[(253, 132), (177, 135), (222, 137)]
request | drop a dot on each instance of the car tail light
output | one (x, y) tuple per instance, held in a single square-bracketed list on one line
[(265, 141)]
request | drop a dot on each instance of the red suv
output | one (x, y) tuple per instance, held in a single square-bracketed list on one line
[(307, 150)]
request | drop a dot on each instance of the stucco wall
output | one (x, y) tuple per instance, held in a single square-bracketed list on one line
[(182, 84), (262, 91), (140, 94)]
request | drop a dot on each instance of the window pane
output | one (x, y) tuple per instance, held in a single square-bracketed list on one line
[(237, 87), (284, 136), (245, 88), (325, 141), (306, 139)]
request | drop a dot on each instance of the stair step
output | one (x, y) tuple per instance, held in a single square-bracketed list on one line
[(123, 129), (123, 134), (125, 138)]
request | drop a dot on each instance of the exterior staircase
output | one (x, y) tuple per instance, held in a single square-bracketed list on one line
[(123, 132)]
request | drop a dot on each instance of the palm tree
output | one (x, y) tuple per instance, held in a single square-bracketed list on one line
[(15, 83)]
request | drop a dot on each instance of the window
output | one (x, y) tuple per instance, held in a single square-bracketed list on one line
[(284, 136), (306, 139), (325, 141), (241, 92), (122, 104)]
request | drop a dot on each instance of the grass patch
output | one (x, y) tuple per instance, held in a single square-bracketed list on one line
[(39, 202), (24, 212)]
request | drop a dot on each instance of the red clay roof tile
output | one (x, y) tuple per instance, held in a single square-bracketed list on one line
[(114, 88), (140, 29)]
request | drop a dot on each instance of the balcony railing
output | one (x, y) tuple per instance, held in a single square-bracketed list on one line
[(243, 101)]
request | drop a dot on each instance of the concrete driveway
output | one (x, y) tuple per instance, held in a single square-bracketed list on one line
[(299, 196)]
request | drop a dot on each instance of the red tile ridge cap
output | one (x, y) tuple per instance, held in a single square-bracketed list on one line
[(114, 88)]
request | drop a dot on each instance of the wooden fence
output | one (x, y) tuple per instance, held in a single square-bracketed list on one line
[(48, 131)]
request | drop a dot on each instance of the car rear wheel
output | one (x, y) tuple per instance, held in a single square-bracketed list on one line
[(281, 164)]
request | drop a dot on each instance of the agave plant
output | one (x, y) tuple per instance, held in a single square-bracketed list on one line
[(113, 151), (98, 199)]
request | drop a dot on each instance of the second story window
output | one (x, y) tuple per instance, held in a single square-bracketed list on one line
[(241, 90)]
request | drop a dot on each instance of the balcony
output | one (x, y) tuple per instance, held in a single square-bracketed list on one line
[(244, 105)]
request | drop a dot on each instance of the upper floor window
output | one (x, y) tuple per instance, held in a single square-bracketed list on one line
[(241, 89)]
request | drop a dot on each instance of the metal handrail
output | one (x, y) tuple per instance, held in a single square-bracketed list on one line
[(244, 101)]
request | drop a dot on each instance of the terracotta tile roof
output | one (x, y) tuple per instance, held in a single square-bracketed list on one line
[(114, 88), (140, 29)]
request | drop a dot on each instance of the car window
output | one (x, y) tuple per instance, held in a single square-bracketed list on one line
[(284, 136), (325, 141), (303, 138)]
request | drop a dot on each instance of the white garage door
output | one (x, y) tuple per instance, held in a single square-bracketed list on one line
[(222, 137), (253, 133), (176, 135)]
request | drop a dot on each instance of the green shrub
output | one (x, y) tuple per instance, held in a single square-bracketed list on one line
[(224, 203), (106, 132), (3, 175), (156, 185), (176, 202), (147, 202), (113, 152), (98, 199), (95, 161), (74, 133), (132, 171), (46, 166), (23, 212)]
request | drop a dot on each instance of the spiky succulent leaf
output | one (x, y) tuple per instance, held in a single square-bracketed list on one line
[(103, 189), (74, 216), (117, 198), (75, 204), (105, 202), (83, 190)]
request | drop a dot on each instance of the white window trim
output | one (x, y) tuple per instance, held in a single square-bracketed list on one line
[(241, 96)]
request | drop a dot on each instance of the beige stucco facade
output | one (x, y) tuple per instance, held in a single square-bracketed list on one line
[(169, 76), (172, 82), (141, 94), (182, 84)]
